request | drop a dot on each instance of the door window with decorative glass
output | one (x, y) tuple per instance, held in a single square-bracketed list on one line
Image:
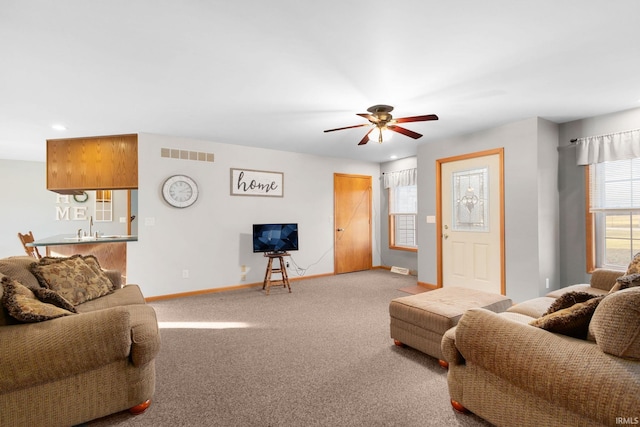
[(403, 208)]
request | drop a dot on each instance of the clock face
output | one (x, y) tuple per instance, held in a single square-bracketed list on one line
[(180, 191)]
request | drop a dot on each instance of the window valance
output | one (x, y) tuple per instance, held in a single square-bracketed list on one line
[(400, 178), (605, 148)]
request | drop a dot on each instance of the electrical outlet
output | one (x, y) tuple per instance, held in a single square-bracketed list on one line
[(547, 283), (185, 274)]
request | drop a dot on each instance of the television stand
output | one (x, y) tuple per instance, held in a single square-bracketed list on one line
[(282, 269)]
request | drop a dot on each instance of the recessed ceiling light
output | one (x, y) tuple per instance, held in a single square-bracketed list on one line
[(59, 127), (393, 157)]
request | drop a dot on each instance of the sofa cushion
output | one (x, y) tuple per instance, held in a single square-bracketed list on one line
[(17, 267), (572, 321), (535, 307), (616, 324), (72, 278), (22, 304), (127, 295), (580, 288)]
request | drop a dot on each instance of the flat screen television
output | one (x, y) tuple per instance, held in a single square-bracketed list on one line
[(275, 238)]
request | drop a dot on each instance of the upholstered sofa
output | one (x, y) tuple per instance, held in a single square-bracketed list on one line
[(516, 368), (64, 363)]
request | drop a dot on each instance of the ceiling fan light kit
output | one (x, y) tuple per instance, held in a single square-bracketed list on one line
[(380, 118)]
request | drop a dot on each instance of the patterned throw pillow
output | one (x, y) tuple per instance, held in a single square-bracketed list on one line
[(631, 277), (72, 278), (51, 297), (634, 265), (91, 261), (628, 281), (22, 304)]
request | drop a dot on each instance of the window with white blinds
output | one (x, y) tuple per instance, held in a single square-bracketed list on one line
[(614, 201), (615, 185), (403, 208)]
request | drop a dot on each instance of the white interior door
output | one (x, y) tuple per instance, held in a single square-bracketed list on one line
[(471, 222)]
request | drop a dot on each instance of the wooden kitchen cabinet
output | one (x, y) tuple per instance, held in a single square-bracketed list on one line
[(92, 163)]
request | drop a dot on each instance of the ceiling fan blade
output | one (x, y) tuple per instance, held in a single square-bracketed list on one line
[(407, 132), (417, 118), (369, 117), (366, 137), (349, 127)]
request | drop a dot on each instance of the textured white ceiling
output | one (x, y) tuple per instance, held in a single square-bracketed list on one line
[(276, 73)]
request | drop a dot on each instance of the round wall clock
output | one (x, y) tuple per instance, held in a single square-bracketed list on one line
[(180, 191)]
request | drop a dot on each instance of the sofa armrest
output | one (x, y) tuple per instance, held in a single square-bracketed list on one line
[(34, 353), (450, 352), (604, 279), (144, 334), (563, 370)]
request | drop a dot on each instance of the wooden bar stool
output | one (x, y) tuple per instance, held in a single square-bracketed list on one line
[(284, 281)]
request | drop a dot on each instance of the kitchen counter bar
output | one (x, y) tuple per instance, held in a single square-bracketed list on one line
[(71, 239), (111, 251)]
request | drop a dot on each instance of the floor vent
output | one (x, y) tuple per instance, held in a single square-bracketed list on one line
[(400, 270)]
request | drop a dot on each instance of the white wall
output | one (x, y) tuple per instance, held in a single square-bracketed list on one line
[(530, 197), (212, 238), (28, 205)]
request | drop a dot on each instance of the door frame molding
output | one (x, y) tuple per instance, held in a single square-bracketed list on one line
[(439, 162)]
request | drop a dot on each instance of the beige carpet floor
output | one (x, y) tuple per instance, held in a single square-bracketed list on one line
[(319, 356)]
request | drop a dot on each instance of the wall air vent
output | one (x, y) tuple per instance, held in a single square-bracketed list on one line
[(172, 153), (400, 270)]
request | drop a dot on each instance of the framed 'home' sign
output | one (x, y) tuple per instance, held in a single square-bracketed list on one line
[(248, 182)]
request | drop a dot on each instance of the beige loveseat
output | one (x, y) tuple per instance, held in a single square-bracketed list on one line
[(510, 372), (76, 367)]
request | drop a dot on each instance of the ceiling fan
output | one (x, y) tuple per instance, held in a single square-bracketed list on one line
[(380, 119)]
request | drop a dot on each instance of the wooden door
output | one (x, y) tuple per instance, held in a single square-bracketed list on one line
[(471, 221), (352, 221)]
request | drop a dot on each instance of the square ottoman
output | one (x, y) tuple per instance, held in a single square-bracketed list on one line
[(419, 321)]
